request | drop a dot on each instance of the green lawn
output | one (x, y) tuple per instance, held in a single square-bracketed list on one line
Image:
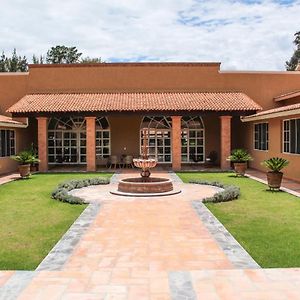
[(267, 224), (31, 222)]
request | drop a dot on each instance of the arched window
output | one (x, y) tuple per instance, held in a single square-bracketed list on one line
[(67, 140), (158, 130), (102, 138), (192, 139)]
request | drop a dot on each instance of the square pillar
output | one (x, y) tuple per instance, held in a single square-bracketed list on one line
[(90, 144), (43, 143), (176, 143), (225, 132)]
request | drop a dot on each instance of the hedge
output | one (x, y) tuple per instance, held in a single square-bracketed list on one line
[(61, 193), (229, 192)]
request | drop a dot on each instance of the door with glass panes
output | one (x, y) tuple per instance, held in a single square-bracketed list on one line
[(67, 141)]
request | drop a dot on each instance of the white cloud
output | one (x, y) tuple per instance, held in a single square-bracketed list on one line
[(240, 34)]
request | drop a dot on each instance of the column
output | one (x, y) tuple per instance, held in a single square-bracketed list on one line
[(43, 143), (176, 143), (225, 132), (90, 144)]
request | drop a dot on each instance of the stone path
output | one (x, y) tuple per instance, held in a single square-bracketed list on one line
[(149, 248)]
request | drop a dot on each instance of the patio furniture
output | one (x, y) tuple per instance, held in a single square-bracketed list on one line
[(113, 161), (128, 161)]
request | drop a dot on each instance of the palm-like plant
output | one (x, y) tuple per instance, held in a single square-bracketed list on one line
[(25, 157), (239, 156), (275, 164)]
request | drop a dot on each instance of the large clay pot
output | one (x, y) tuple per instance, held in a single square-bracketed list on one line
[(33, 168), (24, 170), (240, 168), (274, 180)]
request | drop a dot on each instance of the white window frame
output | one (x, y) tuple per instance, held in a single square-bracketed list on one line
[(10, 139), (99, 128), (259, 142), (149, 128), (289, 134), (188, 129)]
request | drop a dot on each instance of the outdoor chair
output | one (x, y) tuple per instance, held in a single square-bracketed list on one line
[(128, 161), (113, 161)]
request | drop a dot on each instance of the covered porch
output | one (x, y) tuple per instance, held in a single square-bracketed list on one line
[(87, 130)]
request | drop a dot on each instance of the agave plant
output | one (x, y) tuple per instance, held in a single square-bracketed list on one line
[(275, 164), (25, 157), (239, 156)]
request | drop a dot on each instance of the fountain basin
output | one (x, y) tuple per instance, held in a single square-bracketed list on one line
[(151, 185), (145, 187)]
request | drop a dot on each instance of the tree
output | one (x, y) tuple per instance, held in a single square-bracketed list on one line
[(14, 63), (38, 60), (63, 55), (295, 59), (90, 60)]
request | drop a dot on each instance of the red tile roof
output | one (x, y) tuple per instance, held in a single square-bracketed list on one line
[(275, 112), (9, 120), (134, 102), (287, 96)]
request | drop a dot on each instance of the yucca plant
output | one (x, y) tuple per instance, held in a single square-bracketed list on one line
[(24, 158), (275, 164), (239, 156)]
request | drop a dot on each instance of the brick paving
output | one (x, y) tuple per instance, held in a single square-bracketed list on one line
[(153, 248), (9, 177), (286, 183)]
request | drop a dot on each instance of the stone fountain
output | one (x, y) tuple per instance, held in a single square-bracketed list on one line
[(145, 185)]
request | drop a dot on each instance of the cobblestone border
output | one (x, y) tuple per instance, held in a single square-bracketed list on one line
[(181, 286), (61, 252), (238, 256), (16, 284)]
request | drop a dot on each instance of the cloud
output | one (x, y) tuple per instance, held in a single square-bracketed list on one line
[(244, 35)]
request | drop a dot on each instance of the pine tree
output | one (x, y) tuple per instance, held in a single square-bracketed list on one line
[(63, 55), (2, 63), (295, 59)]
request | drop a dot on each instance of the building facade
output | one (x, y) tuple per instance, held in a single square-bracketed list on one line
[(192, 113)]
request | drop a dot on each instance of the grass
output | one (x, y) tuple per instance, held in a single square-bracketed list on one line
[(265, 223), (31, 222)]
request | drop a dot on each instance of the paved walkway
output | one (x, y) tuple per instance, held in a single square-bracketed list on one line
[(152, 248), (9, 177), (288, 185)]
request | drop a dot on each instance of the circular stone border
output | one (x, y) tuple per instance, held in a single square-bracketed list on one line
[(170, 193)]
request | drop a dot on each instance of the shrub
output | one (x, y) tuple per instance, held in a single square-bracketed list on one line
[(25, 157), (239, 156), (275, 164), (229, 192), (61, 192)]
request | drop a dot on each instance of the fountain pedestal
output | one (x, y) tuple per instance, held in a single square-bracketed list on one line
[(145, 185)]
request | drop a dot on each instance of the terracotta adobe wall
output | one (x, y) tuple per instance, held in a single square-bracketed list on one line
[(260, 86), (13, 86), (275, 147)]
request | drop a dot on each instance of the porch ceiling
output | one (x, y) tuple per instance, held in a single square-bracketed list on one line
[(134, 102)]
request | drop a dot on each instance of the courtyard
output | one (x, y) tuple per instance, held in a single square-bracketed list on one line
[(168, 247)]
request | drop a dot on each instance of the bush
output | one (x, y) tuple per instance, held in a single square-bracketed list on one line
[(275, 164), (229, 192), (61, 192), (239, 156)]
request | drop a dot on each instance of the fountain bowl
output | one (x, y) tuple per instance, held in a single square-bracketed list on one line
[(145, 187)]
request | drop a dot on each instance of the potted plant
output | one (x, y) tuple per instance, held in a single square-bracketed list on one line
[(35, 163), (275, 164), (239, 158), (25, 159)]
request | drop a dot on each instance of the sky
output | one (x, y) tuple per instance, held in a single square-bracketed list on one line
[(242, 35)]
